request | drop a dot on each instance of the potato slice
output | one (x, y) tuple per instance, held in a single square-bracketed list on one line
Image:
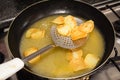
[(30, 31), (30, 51), (38, 34), (74, 54), (77, 34), (91, 60), (77, 64), (87, 26), (67, 26), (35, 33), (59, 20), (64, 30), (77, 53), (70, 22), (76, 60)]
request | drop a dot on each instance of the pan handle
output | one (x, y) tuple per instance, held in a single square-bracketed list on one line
[(9, 68)]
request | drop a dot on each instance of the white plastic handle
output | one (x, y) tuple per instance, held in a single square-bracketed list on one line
[(9, 68)]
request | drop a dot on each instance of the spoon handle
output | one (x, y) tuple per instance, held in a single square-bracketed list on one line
[(44, 49), (9, 68)]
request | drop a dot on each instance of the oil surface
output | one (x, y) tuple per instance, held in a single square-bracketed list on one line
[(53, 63)]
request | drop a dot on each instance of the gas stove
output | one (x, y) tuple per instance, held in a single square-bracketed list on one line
[(110, 8)]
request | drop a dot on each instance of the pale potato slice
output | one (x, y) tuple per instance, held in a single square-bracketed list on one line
[(70, 22), (30, 31), (35, 33), (74, 54), (77, 34), (77, 53), (38, 34), (76, 60), (64, 30), (59, 20), (87, 26), (91, 60), (30, 51)]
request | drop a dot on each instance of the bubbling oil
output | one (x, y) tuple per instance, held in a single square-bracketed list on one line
[(53, 63)]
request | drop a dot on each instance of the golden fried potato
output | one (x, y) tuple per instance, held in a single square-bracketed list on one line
[(87, 26), (70, 22), (91, 60), (65, 24), (77, 34), (35, 33), (59, 20), (30, 51), (76, 60)]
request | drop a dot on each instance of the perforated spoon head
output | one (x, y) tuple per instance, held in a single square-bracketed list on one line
[(65, 41)]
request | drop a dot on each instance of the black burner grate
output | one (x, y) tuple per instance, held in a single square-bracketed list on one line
[(116, 23), (114, 59)]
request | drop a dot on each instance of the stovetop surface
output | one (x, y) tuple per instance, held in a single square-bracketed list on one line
[(10, 8)]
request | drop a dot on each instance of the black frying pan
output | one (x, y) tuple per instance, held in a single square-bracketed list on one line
[(46, 8)]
